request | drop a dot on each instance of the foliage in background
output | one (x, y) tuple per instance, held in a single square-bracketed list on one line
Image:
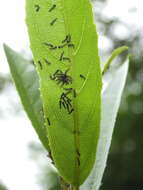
[(125, 159), (4, 81)]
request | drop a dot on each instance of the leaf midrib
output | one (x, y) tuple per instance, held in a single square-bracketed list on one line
[(75, 113)]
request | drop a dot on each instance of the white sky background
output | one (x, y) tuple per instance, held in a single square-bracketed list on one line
[(16, 170)]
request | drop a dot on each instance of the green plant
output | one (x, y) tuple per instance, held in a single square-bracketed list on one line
[(74, 112)]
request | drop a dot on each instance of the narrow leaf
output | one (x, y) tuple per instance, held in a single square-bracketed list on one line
[(114, 54), (26, 81), (64, 44), (110, 104)]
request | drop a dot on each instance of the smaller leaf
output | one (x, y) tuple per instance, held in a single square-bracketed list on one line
[(26, 81), (114, 54), (110, 104)]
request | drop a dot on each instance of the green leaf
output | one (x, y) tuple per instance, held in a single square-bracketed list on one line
[(64, 44), (114, 54), (111, 97), (26, 81)]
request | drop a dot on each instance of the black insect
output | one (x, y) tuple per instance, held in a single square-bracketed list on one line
[(40, 64), (71, 45), (67, 42), (81, 76), (66, 103), (78, 161), (62, 46), (53, 48), (48, 44), (74, 93), (71, 111), (76, 132), (53, 21), (61, 77), (37, 8), (47, 62), (61, 57), (67, 39), (70, 90), (52, 8), (78, 153), (49, 123)]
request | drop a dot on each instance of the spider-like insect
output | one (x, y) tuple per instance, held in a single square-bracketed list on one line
[(61, 77)]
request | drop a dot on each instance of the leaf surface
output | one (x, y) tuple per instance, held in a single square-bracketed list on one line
[(26, 81), (64, 44), (111, 98)]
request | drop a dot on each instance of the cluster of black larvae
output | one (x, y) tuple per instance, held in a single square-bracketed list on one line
[(66, 101), (64, 43), (62, 78)]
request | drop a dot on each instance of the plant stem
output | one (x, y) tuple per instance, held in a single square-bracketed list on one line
[(74, 187), (64, 185)]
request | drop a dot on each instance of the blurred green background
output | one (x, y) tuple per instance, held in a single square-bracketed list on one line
[(124, 169)]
